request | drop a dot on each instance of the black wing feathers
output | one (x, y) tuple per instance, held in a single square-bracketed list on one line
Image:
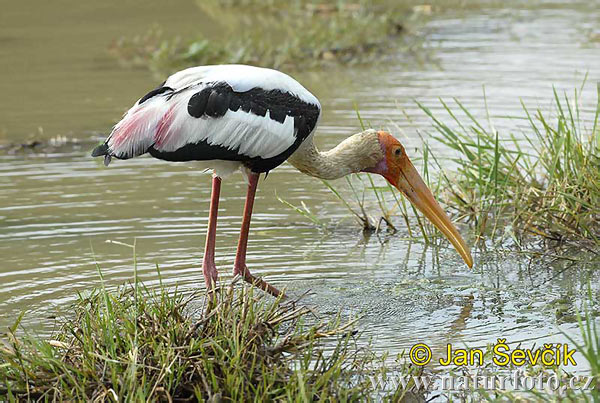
[(157, 91), (214, 100)]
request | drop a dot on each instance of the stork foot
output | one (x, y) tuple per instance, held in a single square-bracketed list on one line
[(257, 281)]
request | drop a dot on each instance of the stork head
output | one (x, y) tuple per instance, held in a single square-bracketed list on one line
[(398, 170)]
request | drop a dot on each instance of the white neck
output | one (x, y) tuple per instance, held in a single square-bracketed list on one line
[(354, 154)]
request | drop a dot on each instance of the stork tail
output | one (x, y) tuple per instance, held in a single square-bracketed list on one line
[(102, 149)]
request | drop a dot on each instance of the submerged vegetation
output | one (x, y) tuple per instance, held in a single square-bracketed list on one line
[(138, 344), (290, 35)]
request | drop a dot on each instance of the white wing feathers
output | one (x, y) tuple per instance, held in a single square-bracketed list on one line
[(242, 78), (163, 121), (251, 135)]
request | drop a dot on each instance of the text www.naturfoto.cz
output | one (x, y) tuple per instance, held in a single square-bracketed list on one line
[(516, 381)]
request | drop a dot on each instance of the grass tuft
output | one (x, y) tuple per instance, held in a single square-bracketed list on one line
[(543, 183), (138, 344)]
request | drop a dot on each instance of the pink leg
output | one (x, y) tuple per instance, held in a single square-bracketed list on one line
[(239, 267), (208, 265)]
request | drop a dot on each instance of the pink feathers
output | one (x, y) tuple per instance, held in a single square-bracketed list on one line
[(136, 132), (163, 130)]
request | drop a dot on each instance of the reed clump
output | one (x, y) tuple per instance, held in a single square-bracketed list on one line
[(138, 344), (544, 182)]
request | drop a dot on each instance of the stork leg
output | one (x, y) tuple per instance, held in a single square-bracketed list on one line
[(239, 267), (208, 264)]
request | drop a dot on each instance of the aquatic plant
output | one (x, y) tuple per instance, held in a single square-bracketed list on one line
[(543, 183), (138, 344), (276, 34)]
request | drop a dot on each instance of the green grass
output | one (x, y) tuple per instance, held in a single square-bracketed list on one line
[(543, 183), (138, 344), (288, 35), (589, 331)]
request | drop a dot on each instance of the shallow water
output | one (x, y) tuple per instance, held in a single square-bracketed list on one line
[(59, 207)]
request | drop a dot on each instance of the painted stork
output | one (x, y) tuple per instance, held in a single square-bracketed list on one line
[(252, 119)]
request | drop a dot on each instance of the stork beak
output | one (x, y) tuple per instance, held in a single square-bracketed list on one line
[(407, 180)]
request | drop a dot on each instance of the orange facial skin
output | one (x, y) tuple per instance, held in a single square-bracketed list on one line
[(399, 171)]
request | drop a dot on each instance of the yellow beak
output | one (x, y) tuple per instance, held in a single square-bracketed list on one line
[(409, 182)]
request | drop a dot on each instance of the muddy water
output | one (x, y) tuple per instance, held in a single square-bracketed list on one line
[(59, 208)]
